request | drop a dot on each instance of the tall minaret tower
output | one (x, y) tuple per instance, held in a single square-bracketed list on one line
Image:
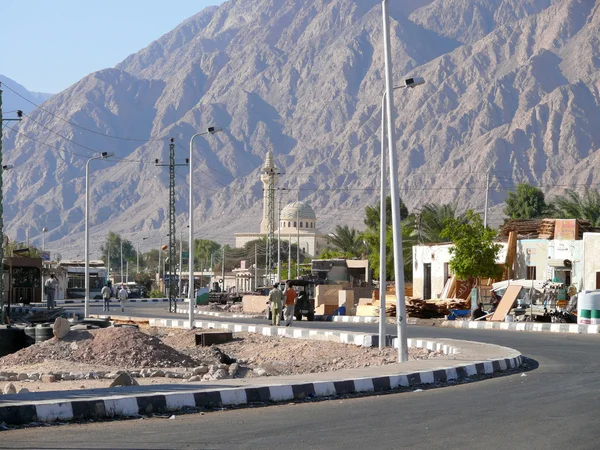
[(269, 177)]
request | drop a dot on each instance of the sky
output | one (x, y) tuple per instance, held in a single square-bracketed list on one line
[(47, 45)]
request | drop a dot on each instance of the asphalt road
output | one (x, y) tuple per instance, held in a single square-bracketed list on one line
[(555, 406)]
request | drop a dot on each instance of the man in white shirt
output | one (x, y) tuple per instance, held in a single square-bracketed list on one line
[(123, 297)]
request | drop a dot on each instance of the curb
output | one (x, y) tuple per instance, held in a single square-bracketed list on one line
[(112, 300), (134, 405), (524, 326)]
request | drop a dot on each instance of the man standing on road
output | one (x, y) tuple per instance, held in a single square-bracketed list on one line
[(275, 299), (106, 295), (290, 301), (50, 288), (123, 297)]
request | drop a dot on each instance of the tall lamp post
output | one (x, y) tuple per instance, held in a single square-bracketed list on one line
[(395, 194), (103, 155), (191, 287), (138, 254)]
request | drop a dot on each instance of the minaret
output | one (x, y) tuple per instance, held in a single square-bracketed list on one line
[(269, 177)]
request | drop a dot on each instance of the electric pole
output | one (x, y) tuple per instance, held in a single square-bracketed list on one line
[(487, 192), (298, 245), (2, 169), (223, 270), (121, 239), (279, 242), (255, 269), (172, 233), (180, 261)]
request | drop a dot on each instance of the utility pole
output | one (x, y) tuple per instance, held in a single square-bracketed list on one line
[(487, 192), (121, 259), (172, 232), (223, 270), (127, 273), (180, 262), (2, 168), (279, 242), (298, 245), (290, 276), (255, 269)]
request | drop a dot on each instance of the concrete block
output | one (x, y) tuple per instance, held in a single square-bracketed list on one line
[(254, 304)]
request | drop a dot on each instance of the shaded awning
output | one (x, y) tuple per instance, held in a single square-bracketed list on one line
[(563, 264)]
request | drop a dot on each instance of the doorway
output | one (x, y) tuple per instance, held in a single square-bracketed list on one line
[(427, 281)]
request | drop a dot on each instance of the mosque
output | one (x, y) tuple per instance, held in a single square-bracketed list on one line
[(297, 220)]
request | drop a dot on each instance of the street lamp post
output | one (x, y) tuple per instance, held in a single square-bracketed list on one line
[(138, 254), (103, 155), (191, 288), (396, 225)]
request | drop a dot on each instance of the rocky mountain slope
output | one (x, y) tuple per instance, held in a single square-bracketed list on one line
[(12, 101), (512, 87)]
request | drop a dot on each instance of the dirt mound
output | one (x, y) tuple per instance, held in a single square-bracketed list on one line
[(120, 347)]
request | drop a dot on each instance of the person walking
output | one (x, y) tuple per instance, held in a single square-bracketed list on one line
[(275, 300), (50, 288), (123, 297), (290, 302), (106, 295)]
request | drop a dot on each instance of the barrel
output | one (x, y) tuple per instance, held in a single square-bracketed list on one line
[(43, 333), (12, 339), (29, 336), (588, 307)]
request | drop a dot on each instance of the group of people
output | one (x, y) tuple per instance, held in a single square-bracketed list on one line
[(276, 298), (107, 293)]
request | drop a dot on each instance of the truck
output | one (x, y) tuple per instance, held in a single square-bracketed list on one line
[(305, 301)]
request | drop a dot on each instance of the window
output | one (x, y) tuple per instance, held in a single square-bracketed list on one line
[(289, 224), (295, 224), (300, 224), (531, 272)]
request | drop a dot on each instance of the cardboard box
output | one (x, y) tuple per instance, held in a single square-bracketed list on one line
[(327, 294), (325, 310), (346, 298)]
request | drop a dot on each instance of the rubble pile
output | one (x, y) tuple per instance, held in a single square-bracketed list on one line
[(429, 309), (121, 347)]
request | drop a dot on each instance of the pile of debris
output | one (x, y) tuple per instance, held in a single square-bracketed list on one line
[(429, 309), (115, 346)]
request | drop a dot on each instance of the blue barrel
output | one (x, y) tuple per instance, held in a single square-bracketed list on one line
[(341, 311)]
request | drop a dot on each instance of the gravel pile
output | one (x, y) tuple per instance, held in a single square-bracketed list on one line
[(119, 347)]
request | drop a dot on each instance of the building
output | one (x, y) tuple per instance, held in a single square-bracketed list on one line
[(566, 251), (297, 221)]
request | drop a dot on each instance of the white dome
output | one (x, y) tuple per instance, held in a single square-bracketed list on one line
[(298, 209)]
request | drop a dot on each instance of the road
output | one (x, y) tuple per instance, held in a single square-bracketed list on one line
[(555, 405)]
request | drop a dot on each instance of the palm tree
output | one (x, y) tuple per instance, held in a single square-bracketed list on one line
[(347, 241), (572, 205), (431, 221)]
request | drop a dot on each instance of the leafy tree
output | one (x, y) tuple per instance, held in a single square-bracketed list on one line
[(431, 221), (145, 279), (572, 205), (150, 259), (408, 240), (11, 246), (528, 202), (203, 249), (113, 246), (474, 251), (347, 241), (372, 213)]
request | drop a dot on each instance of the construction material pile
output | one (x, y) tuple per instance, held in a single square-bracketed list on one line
[(428, 309), (115, 346)]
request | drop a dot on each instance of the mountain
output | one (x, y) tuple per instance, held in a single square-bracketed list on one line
[(12, 101), (512, 88)]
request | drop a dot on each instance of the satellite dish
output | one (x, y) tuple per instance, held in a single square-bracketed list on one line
[(57, 257)]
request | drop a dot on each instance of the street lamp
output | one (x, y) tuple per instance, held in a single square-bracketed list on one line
[(103, 155), (408, 83), (44, 230), (396, 225), (191, 287), (138, 254)]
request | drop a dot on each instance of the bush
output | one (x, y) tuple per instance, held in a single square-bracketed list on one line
[(156, 293)]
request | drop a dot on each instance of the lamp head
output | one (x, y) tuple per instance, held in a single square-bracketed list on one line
[(107, 155), (414, 82)]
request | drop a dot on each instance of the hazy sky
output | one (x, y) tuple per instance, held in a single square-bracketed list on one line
[(47, 45)]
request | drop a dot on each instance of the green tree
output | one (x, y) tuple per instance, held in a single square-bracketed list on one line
[(408, 240), (431, 221), (372, 213), (113, 246), (203, 249), (146, 280), (150, 260), (347, 241), (572, 205), (528, 202), (474, 251)]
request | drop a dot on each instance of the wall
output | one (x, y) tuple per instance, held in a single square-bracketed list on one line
[(571, 250), (591, 259), (254, 304), (437, 256), (531, 252)]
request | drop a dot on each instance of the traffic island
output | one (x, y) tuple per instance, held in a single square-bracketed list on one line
[(572, 328)]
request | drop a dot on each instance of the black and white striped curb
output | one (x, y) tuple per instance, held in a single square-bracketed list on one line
[(144, 404), (112, 300), (185, 310), (523, 326)]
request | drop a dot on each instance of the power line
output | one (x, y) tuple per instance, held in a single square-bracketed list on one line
[(79, 126)]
